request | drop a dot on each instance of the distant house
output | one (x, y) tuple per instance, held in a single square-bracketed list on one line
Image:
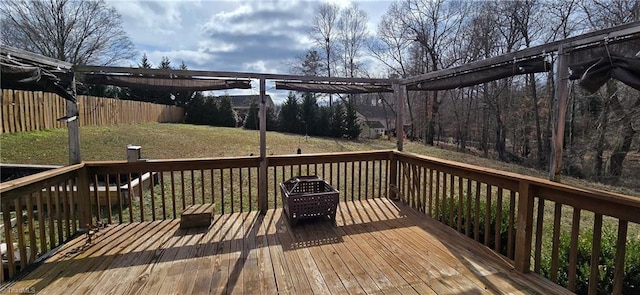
[(372, 129), (375, 120), (241, 104)]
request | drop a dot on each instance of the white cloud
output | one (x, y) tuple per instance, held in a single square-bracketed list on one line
[(163, 17), (217, 46), (196, 57), (225, 35), (258, 66)]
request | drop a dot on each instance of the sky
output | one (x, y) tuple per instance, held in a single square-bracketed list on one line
[(228, 35)]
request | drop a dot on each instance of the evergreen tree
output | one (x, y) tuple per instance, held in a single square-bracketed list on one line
[(251, 122), (272, 120), (196, 111), (226, 114), (210, 110), (337, 121), (309, 114), (351, 125), (141, 93), (289, 119), (165, 63), (163, 97), (324, 121), (144, 62)]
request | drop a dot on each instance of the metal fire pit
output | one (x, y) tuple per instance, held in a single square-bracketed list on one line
[(308, 197)]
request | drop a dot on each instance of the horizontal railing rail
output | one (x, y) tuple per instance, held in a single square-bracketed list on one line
[(522, 218)]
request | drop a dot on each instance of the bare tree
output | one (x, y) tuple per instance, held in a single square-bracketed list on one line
[(527, 16), (392, 47), (79, 32), (324, 32), (619, 106), (392, 43), (352, 32), (608, 13), (433, 24)]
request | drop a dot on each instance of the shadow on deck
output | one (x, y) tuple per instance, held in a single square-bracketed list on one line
[(376, 246)]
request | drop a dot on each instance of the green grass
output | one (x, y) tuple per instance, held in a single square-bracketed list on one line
[(167, 141)]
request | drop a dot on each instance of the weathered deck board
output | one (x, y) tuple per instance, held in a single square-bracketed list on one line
[(377, 246)]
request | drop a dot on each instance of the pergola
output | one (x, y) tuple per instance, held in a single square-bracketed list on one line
[(584, 53)]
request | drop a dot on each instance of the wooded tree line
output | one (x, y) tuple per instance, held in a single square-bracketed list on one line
[(300, 115), (509, 119), (303, 115)]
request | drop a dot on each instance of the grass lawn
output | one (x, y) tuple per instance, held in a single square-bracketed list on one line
[(167, 141)]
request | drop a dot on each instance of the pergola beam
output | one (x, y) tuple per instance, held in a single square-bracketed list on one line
[(611, 35), (35, 58), (222, 74)]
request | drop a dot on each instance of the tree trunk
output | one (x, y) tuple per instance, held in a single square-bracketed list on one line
[(431, 130), (546, 138), (623, 144), (500, 137), (485, 122), (620, 150), (572, 122), (600, 140), (540, 156)]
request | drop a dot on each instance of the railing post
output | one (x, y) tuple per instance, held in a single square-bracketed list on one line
[(524, 228), (393, 176), (84, 195), (262, 174), (559, 114)]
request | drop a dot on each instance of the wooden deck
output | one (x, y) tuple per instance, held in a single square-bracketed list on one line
[(377, 247)]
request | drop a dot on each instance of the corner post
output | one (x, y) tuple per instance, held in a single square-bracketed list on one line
[(559, 114), (84, 198), (524, 228), (262, 175), (73, 126), (401, 93)]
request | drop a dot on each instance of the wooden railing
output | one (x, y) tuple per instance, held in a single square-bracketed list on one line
[(497, 209), (161, 189), (166, 187), (39, 213), (517, 216)]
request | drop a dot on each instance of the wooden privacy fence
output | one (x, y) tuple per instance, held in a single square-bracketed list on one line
[(34, 110)]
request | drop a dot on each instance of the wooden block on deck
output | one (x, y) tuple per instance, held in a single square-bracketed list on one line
[(197, 216)]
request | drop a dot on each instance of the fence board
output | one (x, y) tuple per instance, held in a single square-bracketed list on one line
[(11, 117), (6, 103), (24, 111)]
